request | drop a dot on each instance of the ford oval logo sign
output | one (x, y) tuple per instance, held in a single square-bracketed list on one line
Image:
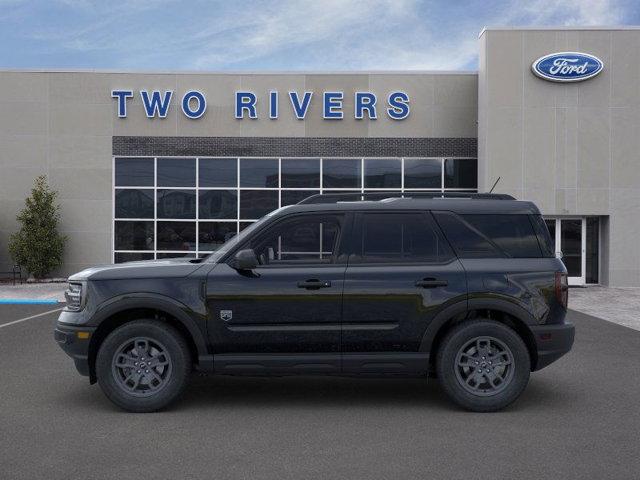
[(567, 66)]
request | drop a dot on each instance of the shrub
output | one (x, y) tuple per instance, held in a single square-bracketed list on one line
[(37, 246)]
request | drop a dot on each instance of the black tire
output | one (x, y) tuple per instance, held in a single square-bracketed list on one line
[(166, 376), (476, 391)]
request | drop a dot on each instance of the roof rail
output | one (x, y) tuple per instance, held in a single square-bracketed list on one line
[(377, 196)]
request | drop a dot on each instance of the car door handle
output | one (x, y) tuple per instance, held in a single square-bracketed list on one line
[(431, 283), (314, 284)]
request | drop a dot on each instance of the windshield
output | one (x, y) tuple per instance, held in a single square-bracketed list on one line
[(239, 238)]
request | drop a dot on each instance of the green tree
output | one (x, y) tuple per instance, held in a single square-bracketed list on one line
[(37, 246)]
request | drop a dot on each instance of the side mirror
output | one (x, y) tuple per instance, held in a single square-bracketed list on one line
[(245, 260)]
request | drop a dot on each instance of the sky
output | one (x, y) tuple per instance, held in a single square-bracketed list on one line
[(277, 35)]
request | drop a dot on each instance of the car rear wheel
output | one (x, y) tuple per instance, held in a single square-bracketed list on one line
[(143, 365), (483, 365)]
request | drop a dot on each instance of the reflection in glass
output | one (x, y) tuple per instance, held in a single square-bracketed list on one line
[(382, 173), (255, 204), (291, 197), (593, 240), (213, 234), (341, 173), (259, 172), (422, 173), (133, 235), (218, 172), (571, 241), (175, 255), (134, 203), (300, 172), (460, 173), (134, 172), (176, 172), (218, 204), (176, 235), (120, 257), (176, 204)]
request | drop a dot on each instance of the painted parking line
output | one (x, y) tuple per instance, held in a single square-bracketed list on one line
[(23, 301), (30, 317)]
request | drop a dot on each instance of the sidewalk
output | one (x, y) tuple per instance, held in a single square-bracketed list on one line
[(615, 304), (32, 293)]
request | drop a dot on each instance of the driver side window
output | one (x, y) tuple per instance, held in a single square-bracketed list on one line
[(306, 239)]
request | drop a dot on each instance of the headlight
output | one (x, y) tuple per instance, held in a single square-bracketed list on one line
[(74, 296)]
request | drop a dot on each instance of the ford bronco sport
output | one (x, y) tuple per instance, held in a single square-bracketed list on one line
[(465, 287)]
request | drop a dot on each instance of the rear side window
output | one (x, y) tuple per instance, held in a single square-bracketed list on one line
[(544, 237), (467, 241), (492, 235), (514, 234), (400, 237)]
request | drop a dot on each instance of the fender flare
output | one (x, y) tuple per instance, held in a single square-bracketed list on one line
[(154, 301), (464, 306)]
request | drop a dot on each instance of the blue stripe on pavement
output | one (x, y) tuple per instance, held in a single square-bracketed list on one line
[(28, 301)]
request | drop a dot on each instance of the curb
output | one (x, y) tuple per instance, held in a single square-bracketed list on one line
[(28, 301)]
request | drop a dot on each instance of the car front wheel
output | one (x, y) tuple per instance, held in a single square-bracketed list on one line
[(143, 365), (483, 365)]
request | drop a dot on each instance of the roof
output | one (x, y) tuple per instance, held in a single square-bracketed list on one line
[(457, 205)]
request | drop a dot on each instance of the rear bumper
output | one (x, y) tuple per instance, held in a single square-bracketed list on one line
[(552, 342), (74, 345)]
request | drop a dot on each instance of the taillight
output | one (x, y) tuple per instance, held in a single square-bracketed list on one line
[(562, 288)]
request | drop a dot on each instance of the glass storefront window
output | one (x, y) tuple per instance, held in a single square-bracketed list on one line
[(134, 172), (217, 172), (422, 173), (300, 173), (382, 173), (176, 172), (168, 207), (341, 173), (592, 250), (259, 172), (460, 173)]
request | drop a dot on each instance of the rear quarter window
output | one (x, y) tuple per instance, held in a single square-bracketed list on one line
[(491, 235)]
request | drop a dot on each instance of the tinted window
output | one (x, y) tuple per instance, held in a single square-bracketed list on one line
[(300, 172), (341, 173), (545, 239), (512, 233), (466, 240), (213, 234), (218, 204), (401, 237), (134, 203), (461, 173), (422, 173), (218, 172), (134, 172), (176, 203), (258, 172), (255, 204), (176, 235), (291, 197), (308, 239), (382, 173), (120, 257), (176, 172), (133, 236)]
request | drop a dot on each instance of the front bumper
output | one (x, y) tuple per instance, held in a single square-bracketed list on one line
[(552, 342), (74, 340)]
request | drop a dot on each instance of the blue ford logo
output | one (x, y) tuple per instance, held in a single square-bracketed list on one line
[(567, 66)]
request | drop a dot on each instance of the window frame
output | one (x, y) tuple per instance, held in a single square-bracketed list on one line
[(338, 253), (355, 258)]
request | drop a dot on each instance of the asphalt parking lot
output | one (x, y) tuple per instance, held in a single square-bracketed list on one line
[(579, 418)]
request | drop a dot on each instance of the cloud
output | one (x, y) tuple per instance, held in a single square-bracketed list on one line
[(282, 34)]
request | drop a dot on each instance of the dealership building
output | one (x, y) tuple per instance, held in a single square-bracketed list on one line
[(157, 165)]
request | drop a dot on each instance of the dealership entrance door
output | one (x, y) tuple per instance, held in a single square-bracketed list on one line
[(577, 239)]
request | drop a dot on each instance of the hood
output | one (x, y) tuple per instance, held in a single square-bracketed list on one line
[(166, 268)]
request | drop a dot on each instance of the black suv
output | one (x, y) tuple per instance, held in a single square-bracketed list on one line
[(463, 287)]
